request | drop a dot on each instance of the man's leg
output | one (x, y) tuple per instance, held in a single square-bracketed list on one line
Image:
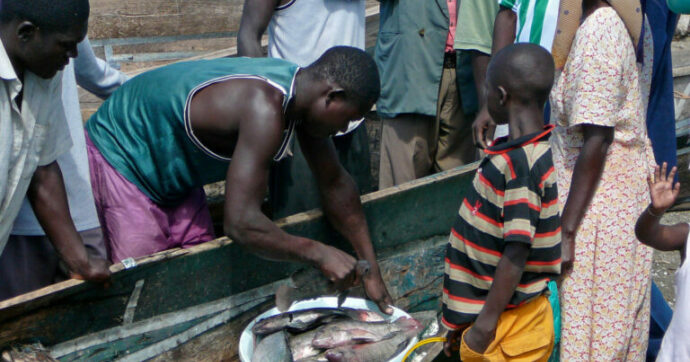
[(406, 142), (26, 264), (132, 224), (190, 222), (454, 147)]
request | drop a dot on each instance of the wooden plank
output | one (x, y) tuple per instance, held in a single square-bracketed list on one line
[(179, 279)]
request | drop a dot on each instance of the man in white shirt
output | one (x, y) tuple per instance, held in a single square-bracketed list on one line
[(38, 38), (29, 260)]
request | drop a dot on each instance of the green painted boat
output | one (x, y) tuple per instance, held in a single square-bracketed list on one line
[(194, 303)]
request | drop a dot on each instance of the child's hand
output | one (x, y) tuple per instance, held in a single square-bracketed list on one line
[(452, 343), (662, 190)]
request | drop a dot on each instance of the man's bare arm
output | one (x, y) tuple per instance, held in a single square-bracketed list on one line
[(342, 206), (48, 199), (256, 15), (259, 138)]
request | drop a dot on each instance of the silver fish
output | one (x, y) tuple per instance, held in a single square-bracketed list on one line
[(347, 332), (310, 283), (304, 320), (370, 352), (301, 346), (382, 350), (273, 348)]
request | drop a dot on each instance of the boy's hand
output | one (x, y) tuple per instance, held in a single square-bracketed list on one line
[(452, 343), (478, 340), (661, 189), (483, 129)]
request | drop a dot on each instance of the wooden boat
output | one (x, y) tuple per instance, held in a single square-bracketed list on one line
[(193, 303)]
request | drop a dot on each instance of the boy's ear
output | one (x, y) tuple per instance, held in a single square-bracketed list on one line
[(504, 95), (26, 30), (335, 93)]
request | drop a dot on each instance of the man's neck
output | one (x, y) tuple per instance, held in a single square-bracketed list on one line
[(298, 106), (525, 121)]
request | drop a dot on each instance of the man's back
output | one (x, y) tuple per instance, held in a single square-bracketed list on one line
[(145, 132)]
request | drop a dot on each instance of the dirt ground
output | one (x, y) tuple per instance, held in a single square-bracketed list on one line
[(666, 263)]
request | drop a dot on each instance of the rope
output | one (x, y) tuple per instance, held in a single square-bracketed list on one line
[(421, 343)]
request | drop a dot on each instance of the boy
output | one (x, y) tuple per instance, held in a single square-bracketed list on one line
[(649, 231), (38, 38), (504, 247), (164, 134)]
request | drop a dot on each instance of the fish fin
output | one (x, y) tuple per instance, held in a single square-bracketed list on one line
[(284, 297), (363, 336)]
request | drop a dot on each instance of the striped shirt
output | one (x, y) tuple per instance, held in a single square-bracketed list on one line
[(536, 20), (514, 198)]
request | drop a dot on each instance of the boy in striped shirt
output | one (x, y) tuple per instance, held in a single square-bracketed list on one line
[(504, 247)]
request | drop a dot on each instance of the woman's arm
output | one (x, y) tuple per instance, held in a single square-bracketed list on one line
[(588, 170)]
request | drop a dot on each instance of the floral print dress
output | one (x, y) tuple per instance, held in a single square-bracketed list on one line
[(605, 299)]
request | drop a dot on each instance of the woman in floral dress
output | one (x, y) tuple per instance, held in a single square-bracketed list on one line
[(600, 152)]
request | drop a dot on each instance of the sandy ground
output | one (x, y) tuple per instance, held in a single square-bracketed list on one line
[(666, 263)]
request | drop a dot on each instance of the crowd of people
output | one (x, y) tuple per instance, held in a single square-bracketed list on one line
[(550, 254)]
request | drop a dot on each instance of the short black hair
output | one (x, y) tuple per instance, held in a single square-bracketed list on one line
[(525, 70), (51, 15), (353, 70)]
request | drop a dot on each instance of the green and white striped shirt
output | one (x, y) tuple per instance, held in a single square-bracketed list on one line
[(536, 20)]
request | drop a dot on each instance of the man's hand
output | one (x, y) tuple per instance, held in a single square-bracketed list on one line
[(661, 189), (478, 340), (96, 270), (376, 290), (337, 266), (483, 128)]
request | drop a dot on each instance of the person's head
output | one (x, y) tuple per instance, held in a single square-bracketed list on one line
[(344, 85), (41, 35), (518, 75)]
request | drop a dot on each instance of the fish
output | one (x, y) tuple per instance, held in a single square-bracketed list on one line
[(347, 332), (370, 352), (310, 283), (303, 320), (273, 348), (301, 346)]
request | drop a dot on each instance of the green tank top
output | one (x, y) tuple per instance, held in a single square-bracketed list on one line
[(143, 129)]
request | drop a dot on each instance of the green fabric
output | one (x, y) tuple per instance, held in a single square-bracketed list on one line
[(409, 54), (476, 25), (556, 309), (140, 129)]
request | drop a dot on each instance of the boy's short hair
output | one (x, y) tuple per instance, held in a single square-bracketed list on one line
[(353, 70), (50, 15), (525, 70)]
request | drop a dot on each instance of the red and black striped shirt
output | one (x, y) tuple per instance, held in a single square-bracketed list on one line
[(514, 198)]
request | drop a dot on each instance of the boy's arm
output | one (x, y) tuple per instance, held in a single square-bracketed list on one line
[(256, 15), (342, 205), (663, 194), (508, 274), (49, 201)]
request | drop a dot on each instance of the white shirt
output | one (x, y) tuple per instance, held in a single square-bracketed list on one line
[(676, 343), (33, 136), (301, 30), (96, 76)]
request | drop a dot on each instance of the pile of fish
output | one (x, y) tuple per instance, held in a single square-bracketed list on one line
[(331, 334)]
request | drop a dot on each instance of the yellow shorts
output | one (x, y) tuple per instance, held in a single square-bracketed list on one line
[(522, 334)]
